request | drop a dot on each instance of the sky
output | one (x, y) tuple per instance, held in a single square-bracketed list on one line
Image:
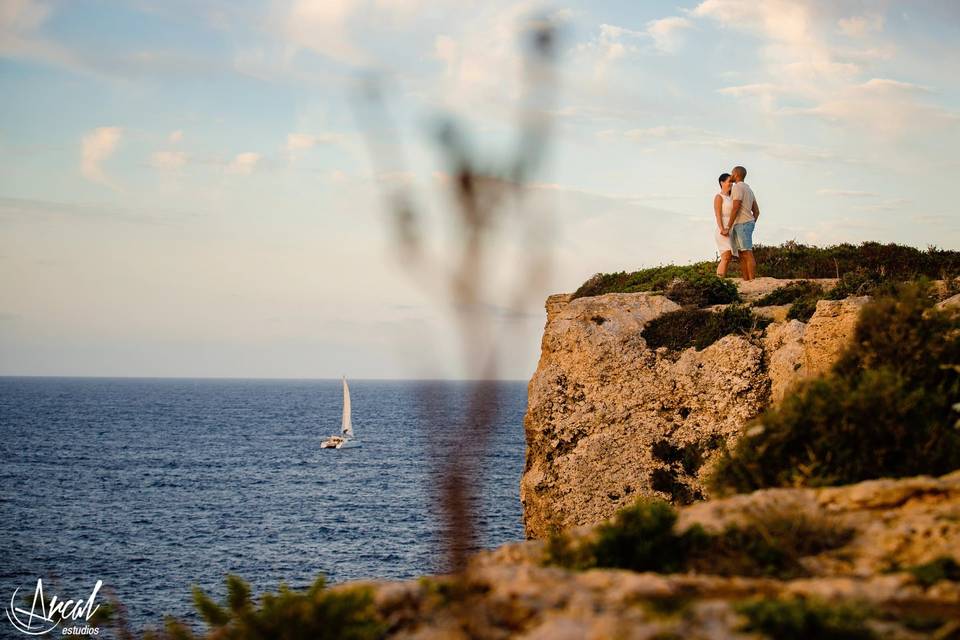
[(186, 188)]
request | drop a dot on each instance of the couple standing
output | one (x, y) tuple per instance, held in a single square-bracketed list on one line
[(736, 211)]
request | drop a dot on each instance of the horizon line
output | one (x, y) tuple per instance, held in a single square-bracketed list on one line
[(279, 378)]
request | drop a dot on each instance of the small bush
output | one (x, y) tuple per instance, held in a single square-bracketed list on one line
[(772, 543), (699, 290), (347, 614), (653, 279), (802, 619), (942, 568), (639, 538), (642, 538), (885, 410), (678, 330), (790, 293), (803, 309)]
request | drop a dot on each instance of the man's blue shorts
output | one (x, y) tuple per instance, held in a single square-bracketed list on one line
[(741, 235)]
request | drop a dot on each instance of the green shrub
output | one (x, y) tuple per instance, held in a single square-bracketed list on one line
[(347, 614), (802, 619), (653, 279), (886, 409), (642, 538), (789, 293), (793, 260), (700, 328), (639, 537), (802, 296), (930, 573), (699, 290), (891, 261), (772, 542)]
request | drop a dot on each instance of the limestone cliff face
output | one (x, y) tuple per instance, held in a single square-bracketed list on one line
[(609, 419)]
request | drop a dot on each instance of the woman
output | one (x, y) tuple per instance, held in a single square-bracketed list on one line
[(723, 210)]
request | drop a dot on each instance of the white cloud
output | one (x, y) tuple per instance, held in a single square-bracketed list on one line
[(667, 33), (859, 26), (168, 160), (301, 141), (820, 76), (97, 146), (243, 163), (175, 136)]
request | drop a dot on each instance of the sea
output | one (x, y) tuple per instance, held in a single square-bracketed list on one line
[(153, 486)]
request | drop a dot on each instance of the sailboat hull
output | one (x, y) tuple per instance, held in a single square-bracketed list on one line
[(339, 442)]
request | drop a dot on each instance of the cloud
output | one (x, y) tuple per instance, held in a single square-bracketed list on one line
[(695, 137), (300, 141), (243, 163), (96, 147), (667, 33), (809, 72), (859, 26), (175, 136), (168, 160)]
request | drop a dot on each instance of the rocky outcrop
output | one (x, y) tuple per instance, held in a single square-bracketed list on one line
[(609, 419), (507, 593)]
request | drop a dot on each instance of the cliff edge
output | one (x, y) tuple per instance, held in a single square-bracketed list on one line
[(609, 418)]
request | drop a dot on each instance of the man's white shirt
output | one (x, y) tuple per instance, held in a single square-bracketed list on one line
[(741, 191)]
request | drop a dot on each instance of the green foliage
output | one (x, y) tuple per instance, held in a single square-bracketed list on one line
[(653, 279), (316, 613), (702, 290), (801, 619), (942, 568), (802, 296), (890, 261), (803, 309), (640, 538), (793, 260), (789, 293), (885, 410), (771, 542), (700, 328)]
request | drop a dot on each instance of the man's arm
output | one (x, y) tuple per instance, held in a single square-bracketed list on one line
[(734, 212), (755, 209)]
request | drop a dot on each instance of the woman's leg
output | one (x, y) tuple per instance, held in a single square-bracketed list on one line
[(724, 263)]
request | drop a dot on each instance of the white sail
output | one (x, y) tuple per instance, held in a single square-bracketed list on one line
[(347, 426)]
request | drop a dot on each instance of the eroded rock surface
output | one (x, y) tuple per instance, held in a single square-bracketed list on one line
[(507, 593), (608, 418)]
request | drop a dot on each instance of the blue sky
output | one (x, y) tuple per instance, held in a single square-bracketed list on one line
[(184, 189)]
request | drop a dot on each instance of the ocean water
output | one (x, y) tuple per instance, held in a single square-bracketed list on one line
[(153, 485)]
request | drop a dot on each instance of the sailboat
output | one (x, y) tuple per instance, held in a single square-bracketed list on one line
[(345, 440)]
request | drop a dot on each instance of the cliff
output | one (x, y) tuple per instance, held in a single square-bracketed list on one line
[(609, 418)]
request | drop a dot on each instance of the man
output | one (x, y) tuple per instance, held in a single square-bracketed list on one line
[(741, 230)]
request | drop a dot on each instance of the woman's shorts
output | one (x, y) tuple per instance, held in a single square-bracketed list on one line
[(741, 235)]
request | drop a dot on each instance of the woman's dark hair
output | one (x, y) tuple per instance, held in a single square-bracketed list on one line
[(723, 177)]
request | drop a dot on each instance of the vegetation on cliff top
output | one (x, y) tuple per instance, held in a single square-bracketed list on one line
[(888, 408), (793, 260), (677, 330)]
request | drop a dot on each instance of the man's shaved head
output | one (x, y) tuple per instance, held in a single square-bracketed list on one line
[(739, 172)]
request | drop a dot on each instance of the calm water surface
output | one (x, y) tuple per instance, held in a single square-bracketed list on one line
[(153, 485)]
